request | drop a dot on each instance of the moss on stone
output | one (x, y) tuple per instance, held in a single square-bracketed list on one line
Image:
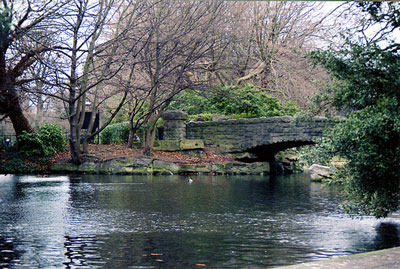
[(165, 166), (64, 167), (168, 145), (179, 145), (188, 144), (146, 166)]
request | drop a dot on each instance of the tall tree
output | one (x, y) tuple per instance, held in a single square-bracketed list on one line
[(266, 45), (367, 73), (178, 35), (110, 62), (86, 57), (25, 27)]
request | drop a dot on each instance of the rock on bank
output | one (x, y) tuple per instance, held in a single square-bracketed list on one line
[(146, 165)]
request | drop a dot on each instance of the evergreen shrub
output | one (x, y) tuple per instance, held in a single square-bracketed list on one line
[(47, 141), (115, 133)]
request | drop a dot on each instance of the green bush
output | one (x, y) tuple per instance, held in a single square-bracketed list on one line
[(322, 153), (191, 103), (30, 144), (13, 161), (369, 139), (115, 133), (47, 141), (16, 163), (234, 101), (52, 138), (250, 101), (203, 116)]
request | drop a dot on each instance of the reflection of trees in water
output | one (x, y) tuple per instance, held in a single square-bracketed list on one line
[(387, 235), (8, 254), (160, 249), (80, 250)]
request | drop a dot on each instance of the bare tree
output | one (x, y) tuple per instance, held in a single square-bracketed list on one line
[(113, 58), (25, 27), (266, 46), (177, 36), (85, 58), (82, 24)]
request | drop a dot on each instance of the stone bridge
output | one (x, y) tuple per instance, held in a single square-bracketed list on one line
[(246, 139)]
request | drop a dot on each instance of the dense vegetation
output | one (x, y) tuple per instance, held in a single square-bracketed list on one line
[(234, 101), (368, 87), (115, 133), (47, 141), (33, 150)]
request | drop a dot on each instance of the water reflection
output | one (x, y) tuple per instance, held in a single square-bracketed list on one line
[(8, 254), (33, 214), (168, 250), (151, 222), (387, 235), (82, 251)]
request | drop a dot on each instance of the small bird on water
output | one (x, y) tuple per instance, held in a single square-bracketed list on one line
[(190, 180)]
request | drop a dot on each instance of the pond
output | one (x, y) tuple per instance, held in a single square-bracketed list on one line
[(166, 222)]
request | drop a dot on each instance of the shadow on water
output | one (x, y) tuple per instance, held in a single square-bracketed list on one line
[(387, 235), (8, 253), (152, 250)]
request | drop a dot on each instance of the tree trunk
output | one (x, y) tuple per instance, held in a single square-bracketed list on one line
[(132, 133), (74, 141), (92, 119), (18, 119), (40, 104), (150, 134), (10, 105), (133, 128)]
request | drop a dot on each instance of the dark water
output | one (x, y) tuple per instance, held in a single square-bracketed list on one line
[(165, 222)]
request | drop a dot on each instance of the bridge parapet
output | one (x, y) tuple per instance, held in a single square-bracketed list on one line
[(246, 135)]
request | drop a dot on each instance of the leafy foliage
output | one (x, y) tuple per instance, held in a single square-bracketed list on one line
[(370, 137), (115, 133), (15, 162), (203, 116), (369, 140), (190, 102), (368, 75), (320, 154), (5, 25), (247, 101), (47, 141)]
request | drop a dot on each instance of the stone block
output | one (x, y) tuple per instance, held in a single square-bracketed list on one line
[(64, 167), (88, 167), (256, 168), (319, 172), (142, 161), (188, 144), (218, 169), (168, 145), (195, 169), (174, 124), (164, 168)]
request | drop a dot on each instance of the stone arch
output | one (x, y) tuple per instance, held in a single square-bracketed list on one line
[(266, 152)]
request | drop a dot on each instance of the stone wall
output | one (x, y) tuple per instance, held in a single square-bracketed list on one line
[(241, 135), (174, 124)]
